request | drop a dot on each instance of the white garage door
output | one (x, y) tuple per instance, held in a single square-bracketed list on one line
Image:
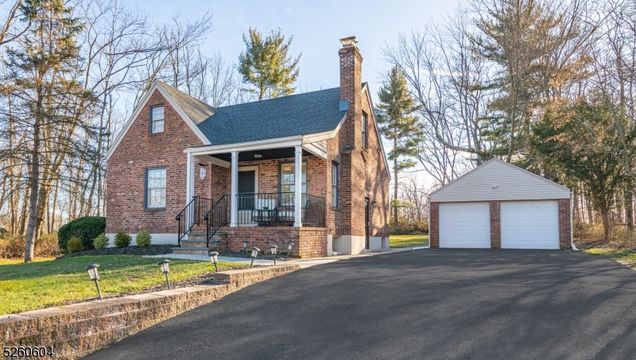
[(464, 225), (530, 225)]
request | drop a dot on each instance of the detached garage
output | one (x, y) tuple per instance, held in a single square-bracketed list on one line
[(499, 205)]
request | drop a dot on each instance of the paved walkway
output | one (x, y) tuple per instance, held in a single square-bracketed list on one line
[(266, 260), (429, 304)]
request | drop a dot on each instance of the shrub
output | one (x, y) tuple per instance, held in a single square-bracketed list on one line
[(411, 228), (47, 245), (74, 244), (85, 228), (143, 238), (100, 242), (122, 239), (11, 246)]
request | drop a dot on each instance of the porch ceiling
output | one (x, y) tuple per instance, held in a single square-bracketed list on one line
[(266, 154)]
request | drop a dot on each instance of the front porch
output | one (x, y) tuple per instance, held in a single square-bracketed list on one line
[(250, 192)]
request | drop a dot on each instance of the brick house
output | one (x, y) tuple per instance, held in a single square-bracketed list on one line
[(199, 177)]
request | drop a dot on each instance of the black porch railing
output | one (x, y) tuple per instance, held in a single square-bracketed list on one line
[(216, 217), (277, 209), (192, 215)]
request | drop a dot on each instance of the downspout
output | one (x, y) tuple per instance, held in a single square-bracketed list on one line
[(429, 230), (572, 224)]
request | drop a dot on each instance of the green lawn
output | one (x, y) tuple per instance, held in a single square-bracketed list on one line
[(43, 284), (623, 256), (402, 241)]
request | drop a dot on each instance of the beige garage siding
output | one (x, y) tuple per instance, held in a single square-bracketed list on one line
[(498, 180)]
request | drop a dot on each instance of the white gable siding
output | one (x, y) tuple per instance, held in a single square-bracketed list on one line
[(498, 180)]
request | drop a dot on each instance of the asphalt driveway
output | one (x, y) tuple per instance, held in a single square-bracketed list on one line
[(434, 304)]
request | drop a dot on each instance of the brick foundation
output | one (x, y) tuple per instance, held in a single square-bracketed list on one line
[(309, 241)]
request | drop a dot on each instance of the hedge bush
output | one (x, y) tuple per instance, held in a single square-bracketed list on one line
[(122, 239), (100, 242), (143, 238), (85, 228), (74, 244)]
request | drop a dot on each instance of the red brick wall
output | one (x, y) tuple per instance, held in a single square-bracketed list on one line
[(125, 174), (309, 242), (363, 171), (495, 224), (564, 223), (269, 174), (433, 228)]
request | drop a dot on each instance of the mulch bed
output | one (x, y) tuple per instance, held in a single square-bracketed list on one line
[(130, 250)]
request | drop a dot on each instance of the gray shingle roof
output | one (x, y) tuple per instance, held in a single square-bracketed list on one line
[(195, 109), (302, 114)]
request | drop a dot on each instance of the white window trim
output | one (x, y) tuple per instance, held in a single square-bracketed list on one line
[(147, 195)]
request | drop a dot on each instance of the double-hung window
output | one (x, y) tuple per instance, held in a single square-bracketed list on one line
[(156, 188), (288, 181), (156, 119), (335, 184), (365, 130)]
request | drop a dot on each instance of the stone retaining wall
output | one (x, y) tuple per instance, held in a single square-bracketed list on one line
[(79, 329)]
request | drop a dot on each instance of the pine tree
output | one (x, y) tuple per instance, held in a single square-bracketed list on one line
[(399, 125), (42, 76), (266, 66)]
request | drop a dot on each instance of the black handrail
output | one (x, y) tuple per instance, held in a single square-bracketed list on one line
[(215, 218), (190, 216)]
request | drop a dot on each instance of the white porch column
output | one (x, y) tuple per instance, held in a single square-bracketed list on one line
[(298, 185), (234, 190), (189, 177)]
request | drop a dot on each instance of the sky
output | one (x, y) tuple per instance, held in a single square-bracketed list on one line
[(316, 27)]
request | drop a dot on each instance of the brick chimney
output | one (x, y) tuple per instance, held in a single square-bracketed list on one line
[(350, 89), (352, 165)]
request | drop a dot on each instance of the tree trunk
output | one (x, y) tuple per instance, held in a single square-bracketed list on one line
[(34, 186), (606, 224), (629, 209)]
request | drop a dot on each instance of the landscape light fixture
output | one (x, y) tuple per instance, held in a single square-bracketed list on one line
[(214, 259), (94, 275), (290, 249), (165, 269), (274, 250), (255, 252)]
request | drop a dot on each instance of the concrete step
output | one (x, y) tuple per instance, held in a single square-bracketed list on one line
[(194, 243), (190, 250), (201, 236)]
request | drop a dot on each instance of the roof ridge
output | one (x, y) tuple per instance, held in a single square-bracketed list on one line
[(277, 98)]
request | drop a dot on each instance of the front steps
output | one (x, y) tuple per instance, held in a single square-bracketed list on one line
[(196, 244)]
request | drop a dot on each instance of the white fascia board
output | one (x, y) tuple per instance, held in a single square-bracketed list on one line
[(312, 148), (155, 86), (216, 161), (275, 143), (377, 130)]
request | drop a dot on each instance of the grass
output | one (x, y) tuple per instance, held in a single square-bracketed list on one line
[(21, 260), (402, 241), (48, 283), (623, 256)]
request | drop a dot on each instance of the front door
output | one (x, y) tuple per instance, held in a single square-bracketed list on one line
[(366, 223), (246, 189)]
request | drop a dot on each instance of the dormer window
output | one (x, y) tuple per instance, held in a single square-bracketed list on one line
[(156, 119)]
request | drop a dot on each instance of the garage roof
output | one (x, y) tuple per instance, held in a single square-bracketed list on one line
[(499, 180)]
